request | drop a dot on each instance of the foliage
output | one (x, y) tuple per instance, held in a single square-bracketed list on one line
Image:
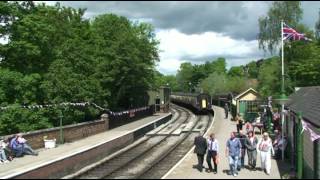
[(304, 63), (269, 35), (215, 84), (189, 77), (269, 77), (236, 71), (54, 55), (166, 80)]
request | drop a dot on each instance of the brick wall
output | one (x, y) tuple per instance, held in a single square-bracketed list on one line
[(70, 132), (66, 166)]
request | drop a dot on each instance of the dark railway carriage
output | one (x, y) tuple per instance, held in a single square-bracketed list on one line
[(197, 102)]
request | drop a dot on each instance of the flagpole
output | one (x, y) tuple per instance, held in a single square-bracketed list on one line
[(282, 56), (282, 91)]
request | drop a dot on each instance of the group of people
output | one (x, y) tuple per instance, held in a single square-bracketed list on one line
[(14, 147), (210, 147), (236, 148)]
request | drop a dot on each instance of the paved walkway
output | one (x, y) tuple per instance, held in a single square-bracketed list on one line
[(26, 163), (222, 128)]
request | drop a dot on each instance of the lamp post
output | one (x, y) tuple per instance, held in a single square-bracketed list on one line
[(282, 101), (246, 72), (190, 86), (61, 127)]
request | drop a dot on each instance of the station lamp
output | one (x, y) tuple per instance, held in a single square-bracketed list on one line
[(282, 100)]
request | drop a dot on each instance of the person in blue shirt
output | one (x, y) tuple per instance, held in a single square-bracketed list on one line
[(16, 147), (20, 147), (233, 150)]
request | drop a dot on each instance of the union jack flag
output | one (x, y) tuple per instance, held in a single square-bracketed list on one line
[(291, 34)]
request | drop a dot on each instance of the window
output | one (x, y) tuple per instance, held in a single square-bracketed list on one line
[(253, 106)]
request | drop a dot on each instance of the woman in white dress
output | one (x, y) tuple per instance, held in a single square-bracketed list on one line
[(266, 152)]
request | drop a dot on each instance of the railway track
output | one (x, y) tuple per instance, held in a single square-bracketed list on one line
[(145, 157), (165, 164)]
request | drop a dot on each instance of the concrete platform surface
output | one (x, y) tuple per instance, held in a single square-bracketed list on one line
[(46, 156), (222, 128)]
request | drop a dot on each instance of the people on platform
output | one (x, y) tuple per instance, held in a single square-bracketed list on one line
[(242, 137), (279, 145), (233, 149), (249, 127), (239, 122), (251, 145), (3, 156), (226, 110), (276, 121), (200, 149), (20, 147), (266, 152), (213, 152)]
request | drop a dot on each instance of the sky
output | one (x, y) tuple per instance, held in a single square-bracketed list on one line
[(197, 31)]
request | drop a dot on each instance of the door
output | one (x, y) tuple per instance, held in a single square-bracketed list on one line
[(157, 104), (242, 107)]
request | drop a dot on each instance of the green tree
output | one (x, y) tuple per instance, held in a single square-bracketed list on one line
[(126, 54), (215, 84), (269, 82), (269, 35), (253, 70), (184, 76), (54, 55), (236, 71), (304, 63)]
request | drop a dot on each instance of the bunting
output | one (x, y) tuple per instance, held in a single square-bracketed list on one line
[(308, 127), (80, 104)]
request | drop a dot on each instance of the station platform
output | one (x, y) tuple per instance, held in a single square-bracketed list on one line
[(222, 128), (112, 139)]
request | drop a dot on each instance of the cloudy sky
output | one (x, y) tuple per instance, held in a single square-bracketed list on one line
[(197, 31)]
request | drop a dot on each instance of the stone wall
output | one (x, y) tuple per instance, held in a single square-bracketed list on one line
[(70, 132)]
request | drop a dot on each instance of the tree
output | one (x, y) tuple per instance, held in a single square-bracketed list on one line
[(215, 84), (269, 35), (236, 71), (218, 65), (253, 70), (184, 76), (126, 54), (269, 83), (304, 63), (54, 55)]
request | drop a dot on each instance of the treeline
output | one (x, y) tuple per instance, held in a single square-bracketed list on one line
[(213, 77), (55, 55)]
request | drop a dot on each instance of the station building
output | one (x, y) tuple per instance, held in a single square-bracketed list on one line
[(160, 98), (302, 126)]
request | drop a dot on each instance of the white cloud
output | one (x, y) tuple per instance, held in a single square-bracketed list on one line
[(177, 47), (4, 40)]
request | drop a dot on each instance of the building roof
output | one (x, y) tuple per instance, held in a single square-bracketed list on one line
[(246, 92), (307, 101)]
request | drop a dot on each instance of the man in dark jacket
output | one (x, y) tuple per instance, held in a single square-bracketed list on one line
[(200, 149), (242, 137), (251, 145), (226, 110)]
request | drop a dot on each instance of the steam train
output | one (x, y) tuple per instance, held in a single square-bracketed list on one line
[(199, 103)]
